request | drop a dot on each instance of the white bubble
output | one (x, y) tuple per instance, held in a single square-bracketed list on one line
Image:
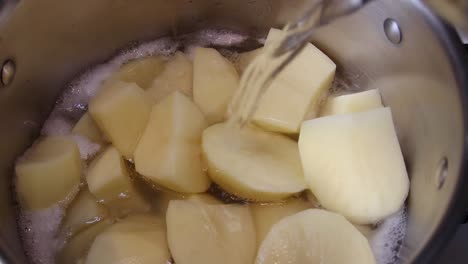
[(386, 240)]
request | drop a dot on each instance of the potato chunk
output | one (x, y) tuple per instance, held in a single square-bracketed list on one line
[(210, 234), (176, 76), (137, 239), (140, 71), (109, 181), (314, 236), (48, 173), (252, 163), (245, 59), (354, 165), (352, 103), (267, 214), (169, 150), (87, 127), (82, 212), (214, 81), (77, 246), (295, 90), (121, 111)]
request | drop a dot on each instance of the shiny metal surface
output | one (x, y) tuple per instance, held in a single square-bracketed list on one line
[(392, 30), (423, 79), (8, 72)]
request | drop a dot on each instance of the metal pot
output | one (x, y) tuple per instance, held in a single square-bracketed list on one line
[(395, 45)]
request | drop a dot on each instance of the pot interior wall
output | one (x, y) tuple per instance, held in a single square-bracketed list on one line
[(51, 41)]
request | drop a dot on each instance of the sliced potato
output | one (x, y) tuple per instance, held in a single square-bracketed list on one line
[(176, 76), (169, 150), (140, 71), (352, 103), (136, 239), (354, 165), (109, 181), (87, 127), (214, 81), (203, 198), (48, 173), (252, 163), (121, 111), (76, 248), (266, 215), (160, 201), (82, 212), (162, 198), (201, 233), (295, 90), (314, 236), (245, 59)]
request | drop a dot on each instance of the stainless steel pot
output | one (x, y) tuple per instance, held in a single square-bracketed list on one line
[(395, 45)]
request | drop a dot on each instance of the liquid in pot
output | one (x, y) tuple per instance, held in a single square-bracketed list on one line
[(40, 229)]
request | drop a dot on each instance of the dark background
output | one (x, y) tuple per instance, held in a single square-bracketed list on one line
[(457, 249)]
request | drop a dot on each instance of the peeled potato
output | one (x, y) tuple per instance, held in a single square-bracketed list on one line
[(266, 215), (121, 111), (82, 212), (245, 59), (169, 150), (48, 173), (314, 236), (109, 181), (160, 201), (214, 81), (87, 127), (136, 239), (354, 165), (176, 76), (352, 103), (296, 90), (210, 234), (162, 198), (203, 198), (252, 163), (76, 248), (140, 71)]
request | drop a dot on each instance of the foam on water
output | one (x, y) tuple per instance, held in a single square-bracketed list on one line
[(87, 147), (386, 240), (39, 229)]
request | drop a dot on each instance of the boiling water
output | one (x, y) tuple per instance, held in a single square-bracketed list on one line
[(38, 229)]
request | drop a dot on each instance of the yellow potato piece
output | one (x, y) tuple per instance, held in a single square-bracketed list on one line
[(245, 59), (203, 234), (121, 111), (137, 239), (266, 215), (352, 103), (140, 71), (87, 127), (176, 76), (252, 163), (76, 248), (314, 236), (109, 181), (169, 150), (48, 173), (82, 212), (297, 89), (162, 198), (214, 81), (160, 201), (354, 165), (203, 198)]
